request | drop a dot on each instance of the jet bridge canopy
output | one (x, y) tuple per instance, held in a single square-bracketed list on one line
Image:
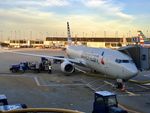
[(139, 54)]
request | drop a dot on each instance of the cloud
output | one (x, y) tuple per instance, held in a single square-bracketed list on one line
[(94, 3), (109, 7), (57, 2), (21, 15), (103, 7), (50, 3), (33, 3), (51, 15)]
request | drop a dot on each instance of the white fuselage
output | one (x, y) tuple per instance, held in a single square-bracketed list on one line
[(111, 63)]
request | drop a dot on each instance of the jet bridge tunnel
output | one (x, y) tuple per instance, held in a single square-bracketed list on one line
[(139, 54)]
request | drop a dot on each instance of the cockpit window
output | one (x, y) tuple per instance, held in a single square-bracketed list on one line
[(118, 60), (123, 61)]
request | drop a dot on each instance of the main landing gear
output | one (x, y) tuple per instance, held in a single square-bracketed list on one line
[(120, 84)]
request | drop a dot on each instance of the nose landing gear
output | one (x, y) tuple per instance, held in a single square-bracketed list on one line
[(120, 84)]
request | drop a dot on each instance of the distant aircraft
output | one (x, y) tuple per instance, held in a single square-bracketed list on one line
[(112, 63), (143, 40)]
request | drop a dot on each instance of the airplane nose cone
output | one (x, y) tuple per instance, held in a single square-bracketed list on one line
[(131, 72)]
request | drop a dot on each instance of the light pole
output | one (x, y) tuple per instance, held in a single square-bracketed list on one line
[(104, 34), (83, 34), (116, 34), (129, 33), (1, 35), (31, 35), (15, 35), (11, 35), (147, 34)]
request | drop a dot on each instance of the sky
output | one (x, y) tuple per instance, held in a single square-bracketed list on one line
[(36, 19)]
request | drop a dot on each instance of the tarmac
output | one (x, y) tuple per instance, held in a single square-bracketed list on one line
[(56, 90)]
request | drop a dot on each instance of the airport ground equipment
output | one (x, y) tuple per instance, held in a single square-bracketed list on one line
[(22, 66), (22, 108), (12, 107), (106, 102), (4, 106), (43, 65), (3, 100)]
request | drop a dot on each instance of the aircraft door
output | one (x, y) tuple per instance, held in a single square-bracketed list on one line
[(109, 67), (106, 66)]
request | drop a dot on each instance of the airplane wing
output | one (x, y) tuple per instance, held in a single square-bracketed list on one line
[(75, 61)]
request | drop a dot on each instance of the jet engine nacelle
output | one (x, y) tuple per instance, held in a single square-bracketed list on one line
[(67, 67)]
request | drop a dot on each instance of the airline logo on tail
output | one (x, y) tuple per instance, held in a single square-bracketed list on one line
[(141, 37)]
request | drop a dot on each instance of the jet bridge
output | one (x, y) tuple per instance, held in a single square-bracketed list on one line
[(139, 54)]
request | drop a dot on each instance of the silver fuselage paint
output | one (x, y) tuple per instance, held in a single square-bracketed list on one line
[(104, 61)]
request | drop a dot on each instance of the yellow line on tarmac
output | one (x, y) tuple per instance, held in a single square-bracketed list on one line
[(127, 109), (37, 81), (134, 81), (140, 82), (80, 70), (130, 93)]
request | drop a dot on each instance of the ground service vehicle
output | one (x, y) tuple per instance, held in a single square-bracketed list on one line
[(22, 66), (22, 108), (106, 102), (4, 106), (43, 65)]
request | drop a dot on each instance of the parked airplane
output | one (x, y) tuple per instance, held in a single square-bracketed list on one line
[(112, 63), (141, 39)]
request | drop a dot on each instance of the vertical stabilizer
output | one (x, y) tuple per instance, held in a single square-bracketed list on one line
[(141, 37), (69, 34)]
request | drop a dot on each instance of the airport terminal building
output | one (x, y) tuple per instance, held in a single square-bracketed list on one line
[(109, 42), (141, 55), (25, 43)]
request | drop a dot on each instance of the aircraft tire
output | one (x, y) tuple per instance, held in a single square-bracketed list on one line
[(119, 85), (93, 112), (67, 74), (13, 70), (49, 71)]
